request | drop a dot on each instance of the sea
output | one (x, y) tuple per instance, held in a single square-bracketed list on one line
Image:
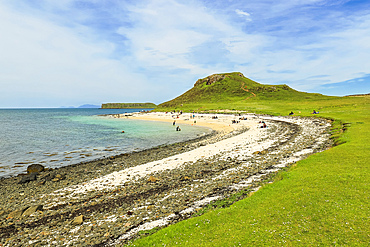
[(61, 137)]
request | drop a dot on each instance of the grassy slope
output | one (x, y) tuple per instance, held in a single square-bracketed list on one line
[(228, 93), (323, 200)]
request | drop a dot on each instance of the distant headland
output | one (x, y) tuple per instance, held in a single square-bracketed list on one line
[(127, 105)]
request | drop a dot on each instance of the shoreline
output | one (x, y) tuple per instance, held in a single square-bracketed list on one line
[(159, 186), (58, 158), (221, 124)]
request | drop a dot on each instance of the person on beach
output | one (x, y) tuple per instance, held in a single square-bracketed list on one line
[(263, 124), (291, 113), (315, 112), (178, 128), (174, 122)]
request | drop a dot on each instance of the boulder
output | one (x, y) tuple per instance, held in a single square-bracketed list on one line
[(32, 210), (78, 220), (153, 179), (17, 213), (35, 168)]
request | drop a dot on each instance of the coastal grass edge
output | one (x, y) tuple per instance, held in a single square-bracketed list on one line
[(322, 200)]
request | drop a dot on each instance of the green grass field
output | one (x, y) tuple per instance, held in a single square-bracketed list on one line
[(323, 200)]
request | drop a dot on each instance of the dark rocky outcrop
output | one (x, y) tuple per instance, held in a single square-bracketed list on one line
[(28, 178), (214, 78), (35, 168), (210, 79)]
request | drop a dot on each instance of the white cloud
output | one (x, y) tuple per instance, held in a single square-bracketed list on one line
[(161, 47), (166, 33), (243, 14), (42, 60), (340, 55)]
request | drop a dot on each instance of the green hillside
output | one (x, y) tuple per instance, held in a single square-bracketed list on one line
[(234, 88), (320, 201)]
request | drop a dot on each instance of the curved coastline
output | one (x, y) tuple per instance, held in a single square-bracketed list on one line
[(152, 188)]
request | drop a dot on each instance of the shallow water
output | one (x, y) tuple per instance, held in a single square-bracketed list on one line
[(60, 137)]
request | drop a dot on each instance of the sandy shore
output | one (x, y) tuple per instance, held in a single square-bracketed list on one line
[(160, 186), (222, 124)]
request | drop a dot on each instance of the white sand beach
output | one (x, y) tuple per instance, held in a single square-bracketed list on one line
[(160, 192)]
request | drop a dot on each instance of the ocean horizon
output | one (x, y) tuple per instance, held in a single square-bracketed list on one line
[(56, 137)]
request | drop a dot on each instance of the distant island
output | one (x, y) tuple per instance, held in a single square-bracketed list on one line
[(127, 105), (82, 106)]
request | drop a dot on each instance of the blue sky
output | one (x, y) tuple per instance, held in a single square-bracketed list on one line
[(68, 52)]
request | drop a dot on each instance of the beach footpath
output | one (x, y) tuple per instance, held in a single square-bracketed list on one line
[(112, 200)]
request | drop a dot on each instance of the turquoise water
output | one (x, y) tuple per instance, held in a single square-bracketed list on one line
[(60, 137)]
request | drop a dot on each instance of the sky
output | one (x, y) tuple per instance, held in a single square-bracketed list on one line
[(69, 52)]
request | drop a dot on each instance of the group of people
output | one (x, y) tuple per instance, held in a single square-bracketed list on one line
[(313, 112), (178, 127), (173, 112), (263, 124)]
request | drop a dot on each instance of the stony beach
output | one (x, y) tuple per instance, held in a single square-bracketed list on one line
[(111, 201)]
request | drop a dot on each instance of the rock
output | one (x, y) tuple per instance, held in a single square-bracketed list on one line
[(40, 183), (28, 178), (210, 79), (60, 176), (78, 220), (49, 177), (17, 213), (35, 168), (153, 179), (32, 210), (183, 178)]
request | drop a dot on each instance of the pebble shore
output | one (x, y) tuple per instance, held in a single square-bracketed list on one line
[(109, 201)]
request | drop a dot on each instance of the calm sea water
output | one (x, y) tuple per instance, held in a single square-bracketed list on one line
[(60, 137)]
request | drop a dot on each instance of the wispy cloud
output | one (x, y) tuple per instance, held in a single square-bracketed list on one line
[(71, 52), (243, 14)]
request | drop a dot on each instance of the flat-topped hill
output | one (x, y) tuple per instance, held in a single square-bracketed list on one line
[(127, 105), (235, 87)]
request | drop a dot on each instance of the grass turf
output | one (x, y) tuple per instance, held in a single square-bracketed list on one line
[(320, 201)]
